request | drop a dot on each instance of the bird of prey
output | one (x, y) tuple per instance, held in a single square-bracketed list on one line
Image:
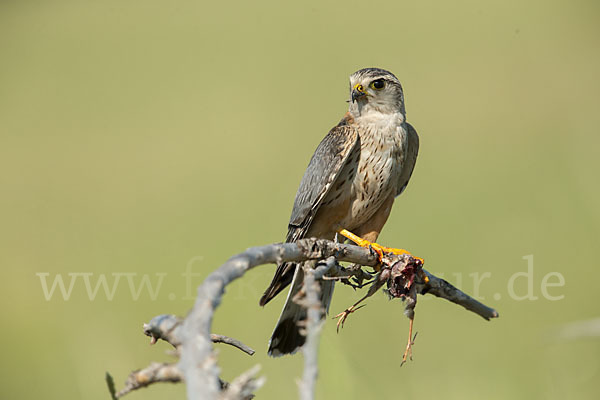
[(350, 184)]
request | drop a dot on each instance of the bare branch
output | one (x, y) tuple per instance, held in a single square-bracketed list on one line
[(232, 342), (441, 288), (156, 372), (192, 335), (243, 387), (167, 327), (314, 324), (197, 359)]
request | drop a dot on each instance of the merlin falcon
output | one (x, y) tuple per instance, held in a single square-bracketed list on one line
[(350, 184)]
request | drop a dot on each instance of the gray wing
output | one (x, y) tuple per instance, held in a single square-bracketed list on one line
[(324, 167), (411, 158)]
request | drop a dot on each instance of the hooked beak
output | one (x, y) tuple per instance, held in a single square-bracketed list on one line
[(358, 91)]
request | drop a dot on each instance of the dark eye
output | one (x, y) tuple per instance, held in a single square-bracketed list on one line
[(378, 84)]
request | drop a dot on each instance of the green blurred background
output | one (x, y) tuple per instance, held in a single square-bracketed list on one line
[(144, 136)]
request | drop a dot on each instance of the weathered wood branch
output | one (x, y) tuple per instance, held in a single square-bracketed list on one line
[(441, 288), (192, 336), (168, 327), (154, 373), (197, 358), (314, 324)]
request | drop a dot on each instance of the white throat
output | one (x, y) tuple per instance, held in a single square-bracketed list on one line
[(373, 118)]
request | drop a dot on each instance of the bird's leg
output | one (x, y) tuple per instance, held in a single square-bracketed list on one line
[(344, 314), (377, 248), (379, 280), (411, 341)]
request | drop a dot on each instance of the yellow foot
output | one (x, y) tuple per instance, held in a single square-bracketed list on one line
[(344, 314), (424, 276), (411, 340), (379, 249)]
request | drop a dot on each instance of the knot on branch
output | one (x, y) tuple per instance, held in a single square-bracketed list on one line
[(165, 327), (314, 248)]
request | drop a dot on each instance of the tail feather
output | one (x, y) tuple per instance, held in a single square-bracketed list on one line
[(287, 338), (283, 276)]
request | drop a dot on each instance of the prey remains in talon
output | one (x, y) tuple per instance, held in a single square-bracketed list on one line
[(399, 269)]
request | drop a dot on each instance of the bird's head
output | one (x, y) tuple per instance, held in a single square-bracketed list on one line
[(375, 90)]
